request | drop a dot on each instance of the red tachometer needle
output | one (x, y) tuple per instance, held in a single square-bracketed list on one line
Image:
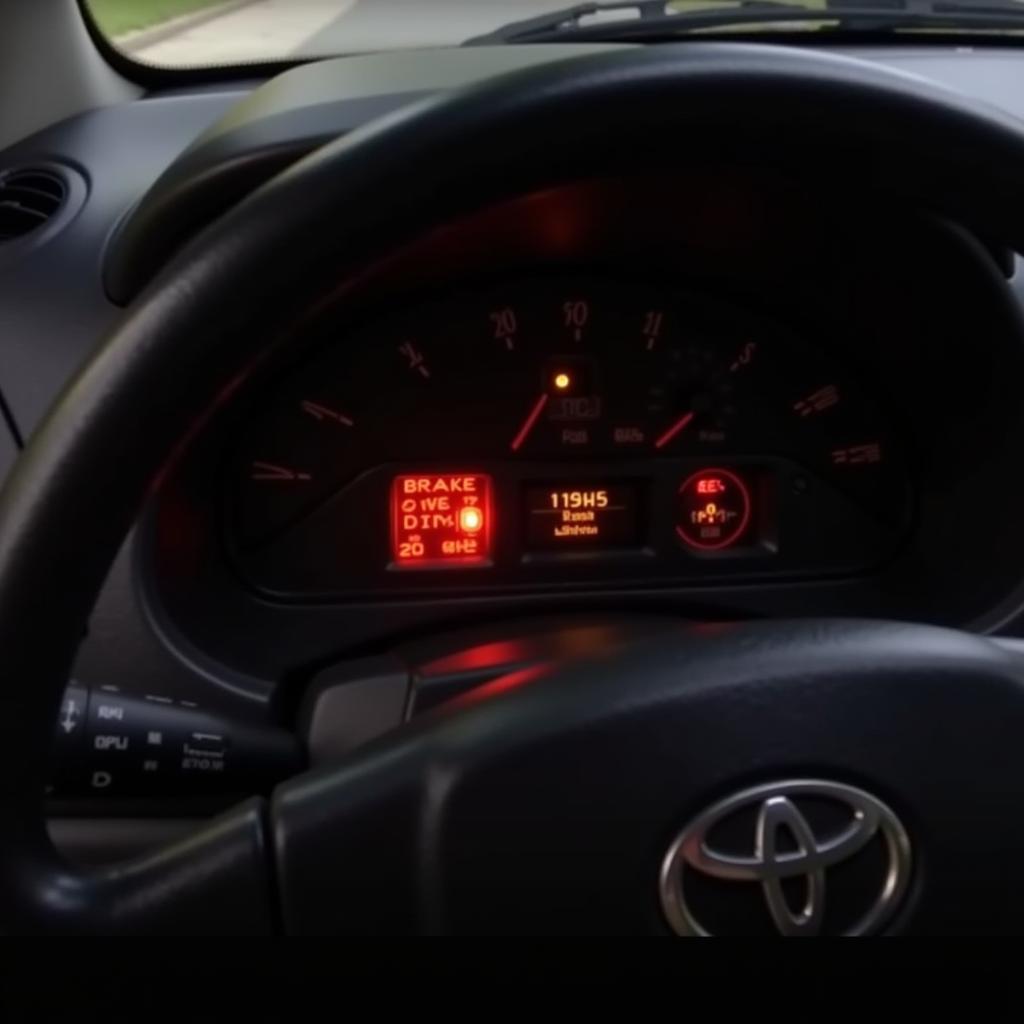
[(681, 424), (531, 419)]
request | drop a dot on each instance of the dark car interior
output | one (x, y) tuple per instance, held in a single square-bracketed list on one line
[(552, 476)]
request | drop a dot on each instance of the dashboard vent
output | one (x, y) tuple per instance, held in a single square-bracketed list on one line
[(29, 197)]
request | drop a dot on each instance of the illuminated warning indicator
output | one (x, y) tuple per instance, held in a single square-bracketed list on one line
[(715, 508), (441, 521), (471, 519), (711, 485), (562, 381)]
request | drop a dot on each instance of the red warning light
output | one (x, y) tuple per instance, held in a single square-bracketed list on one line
[(441, 520), (710, 485), (714, 507)]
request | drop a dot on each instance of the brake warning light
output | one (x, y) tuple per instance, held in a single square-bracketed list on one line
[(441, 520)]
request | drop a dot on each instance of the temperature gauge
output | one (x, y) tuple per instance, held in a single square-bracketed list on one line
[(714, 510)]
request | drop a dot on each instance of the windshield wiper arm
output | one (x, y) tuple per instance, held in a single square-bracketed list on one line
[(650, 19), (581, 17), (573, 18)]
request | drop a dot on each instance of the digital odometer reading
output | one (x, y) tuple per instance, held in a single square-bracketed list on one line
[(563, 517), (441, 520)]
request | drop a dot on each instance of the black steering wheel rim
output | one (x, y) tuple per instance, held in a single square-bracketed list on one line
[(186, 343)]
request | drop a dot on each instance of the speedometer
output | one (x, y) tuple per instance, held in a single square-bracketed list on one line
[(546, 431)]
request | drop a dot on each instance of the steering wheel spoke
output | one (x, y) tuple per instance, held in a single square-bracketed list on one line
[(218, 881)]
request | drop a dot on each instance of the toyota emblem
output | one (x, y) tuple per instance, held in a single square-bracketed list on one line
[(788, 840)]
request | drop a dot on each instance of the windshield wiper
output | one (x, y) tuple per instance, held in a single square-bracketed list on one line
[(645, 20)]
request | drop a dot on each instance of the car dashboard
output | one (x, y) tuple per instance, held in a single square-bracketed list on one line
[(691, 394)]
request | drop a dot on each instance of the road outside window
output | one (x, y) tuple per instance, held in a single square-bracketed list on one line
[(197, 33)]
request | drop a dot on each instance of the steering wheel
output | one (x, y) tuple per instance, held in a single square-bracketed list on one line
[(849, 776)]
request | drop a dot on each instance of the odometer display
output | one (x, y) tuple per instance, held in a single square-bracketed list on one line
[(587, 405), (564, 516)]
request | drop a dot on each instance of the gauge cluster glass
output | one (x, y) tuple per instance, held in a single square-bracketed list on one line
[(549, 431)]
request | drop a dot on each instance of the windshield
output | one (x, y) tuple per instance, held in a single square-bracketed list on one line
[(183, 33), (200, 33)]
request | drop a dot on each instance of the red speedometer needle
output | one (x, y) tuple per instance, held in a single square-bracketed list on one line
[(531, 419), (681, 424)]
